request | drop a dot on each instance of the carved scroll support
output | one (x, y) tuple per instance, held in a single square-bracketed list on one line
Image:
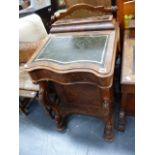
[(51, 105)]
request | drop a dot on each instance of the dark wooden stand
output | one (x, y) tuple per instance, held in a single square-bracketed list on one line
[(45, 13)]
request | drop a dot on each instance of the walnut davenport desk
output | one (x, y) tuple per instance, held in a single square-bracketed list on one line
[(79, 68)]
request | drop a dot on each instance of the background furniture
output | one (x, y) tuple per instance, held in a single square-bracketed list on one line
[(127, 106), (31, 34), (127, 80), (44, 12), (129, 7)]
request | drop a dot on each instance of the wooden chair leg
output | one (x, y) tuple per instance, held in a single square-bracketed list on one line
[(23, 105), (122, 122)]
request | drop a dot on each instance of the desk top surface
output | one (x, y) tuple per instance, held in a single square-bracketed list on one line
[(67, 52), (128, 65)]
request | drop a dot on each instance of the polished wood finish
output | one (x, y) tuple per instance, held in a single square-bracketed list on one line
[(82, 87), (120, 20), (127, 80), (129, 7)]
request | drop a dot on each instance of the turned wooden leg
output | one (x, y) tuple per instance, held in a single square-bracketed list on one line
[(23, 105), (107, 105), (60, 122), (43, 100), (50, 105), (121, 126), (108, 130)]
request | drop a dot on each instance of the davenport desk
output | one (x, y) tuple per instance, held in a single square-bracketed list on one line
[(79, 68)]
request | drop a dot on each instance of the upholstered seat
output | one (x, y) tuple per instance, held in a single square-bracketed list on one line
[(31, 33), (25, 82)]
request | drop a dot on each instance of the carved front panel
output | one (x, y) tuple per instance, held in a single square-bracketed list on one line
[(84, 98)]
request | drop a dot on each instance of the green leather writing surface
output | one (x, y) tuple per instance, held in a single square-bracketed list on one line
[(69, 49)]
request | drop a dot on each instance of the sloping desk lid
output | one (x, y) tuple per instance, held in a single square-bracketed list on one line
[(92, 52)]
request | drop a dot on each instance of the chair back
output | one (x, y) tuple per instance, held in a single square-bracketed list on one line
[(31, 28), (31, 34)]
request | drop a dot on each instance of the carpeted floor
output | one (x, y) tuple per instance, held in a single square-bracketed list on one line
[(83, 136)]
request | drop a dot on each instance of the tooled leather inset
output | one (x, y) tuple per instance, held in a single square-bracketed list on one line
[(75, 49)]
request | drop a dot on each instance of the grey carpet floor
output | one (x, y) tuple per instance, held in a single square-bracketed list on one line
[(83, 136)]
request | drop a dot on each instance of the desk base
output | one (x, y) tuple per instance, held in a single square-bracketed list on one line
[(83, 99)]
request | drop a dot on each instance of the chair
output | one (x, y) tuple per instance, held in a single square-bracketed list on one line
[(31, 34)]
